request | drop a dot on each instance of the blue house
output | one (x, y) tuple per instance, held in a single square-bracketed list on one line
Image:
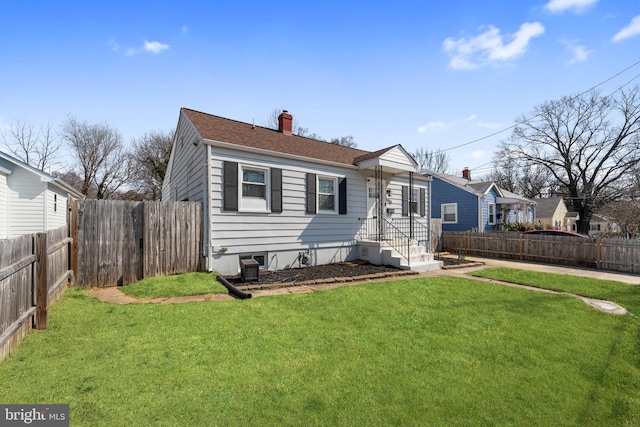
[(467, 205)]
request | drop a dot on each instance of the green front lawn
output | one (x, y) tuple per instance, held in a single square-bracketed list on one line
[(623, 294), (179, 285), (437, 351)]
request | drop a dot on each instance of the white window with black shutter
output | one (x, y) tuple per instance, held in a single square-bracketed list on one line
[(250, 188), (416, 203), (326, 195)]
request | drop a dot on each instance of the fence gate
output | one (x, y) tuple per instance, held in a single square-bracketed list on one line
[(120, 242)]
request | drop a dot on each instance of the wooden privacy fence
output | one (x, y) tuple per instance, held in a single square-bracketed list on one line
[(34, 272), (120, 242), (436, 235), (603, 253)]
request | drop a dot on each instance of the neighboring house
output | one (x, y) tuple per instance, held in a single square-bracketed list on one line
[(600, 224), (464, 204), (283, 199), (31, 201), (553, 213)]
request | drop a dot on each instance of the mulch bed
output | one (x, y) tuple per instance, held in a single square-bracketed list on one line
[(339, 272), (329, 273)]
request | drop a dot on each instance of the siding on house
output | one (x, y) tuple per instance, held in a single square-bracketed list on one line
[(57, 207), (187, 166), (489, 197), (444, 193), (282, 235), (28, 203), (31, 201), (4, 205)]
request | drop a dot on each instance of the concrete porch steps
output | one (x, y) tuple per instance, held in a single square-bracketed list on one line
[(419, 259)]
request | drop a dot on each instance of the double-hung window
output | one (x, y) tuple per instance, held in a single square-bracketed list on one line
[(449, 213), (492, 213), (254, 192), (254, 183), (327, 194), (415, 199), (251, 188)]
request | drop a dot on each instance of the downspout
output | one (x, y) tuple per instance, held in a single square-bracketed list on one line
[(206, 201), (428, 215), (480, 218)]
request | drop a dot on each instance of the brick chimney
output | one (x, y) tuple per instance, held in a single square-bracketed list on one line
[(466, 173), (284, 122)]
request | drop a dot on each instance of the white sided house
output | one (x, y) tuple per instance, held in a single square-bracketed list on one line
[(286, 200), (31, 201)]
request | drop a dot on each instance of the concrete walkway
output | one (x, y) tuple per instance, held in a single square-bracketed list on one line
[(115, 296), (632, 279)]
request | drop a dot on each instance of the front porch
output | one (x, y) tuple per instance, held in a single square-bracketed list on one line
[(399, 242), (391, 236)]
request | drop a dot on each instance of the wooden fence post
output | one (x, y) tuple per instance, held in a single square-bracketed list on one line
[(598, 253), (73, 233), (42, 294), (464, 244), (521, 248)]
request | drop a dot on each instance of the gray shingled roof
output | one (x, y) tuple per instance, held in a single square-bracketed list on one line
[(546, 207)]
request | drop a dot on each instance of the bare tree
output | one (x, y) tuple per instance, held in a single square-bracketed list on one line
[(296, 129), (589, 143), (37, 148), (625, 213), (102, 162), (436, 161), (345, 141), (150, 158), (530, 181)]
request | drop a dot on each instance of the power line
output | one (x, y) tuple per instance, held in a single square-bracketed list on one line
[(570, 99)]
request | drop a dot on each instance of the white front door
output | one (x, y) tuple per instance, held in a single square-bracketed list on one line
[(372, 192)]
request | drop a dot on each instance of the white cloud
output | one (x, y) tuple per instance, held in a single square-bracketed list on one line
[(490, 46), (633, 29), (577, 6), (478, 154), (185, 29), (579, 52), (152, 47), (113, 45), (470, 118), (435, 126), (155, 47)]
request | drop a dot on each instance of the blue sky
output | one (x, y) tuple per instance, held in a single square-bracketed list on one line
[(431, 74)]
